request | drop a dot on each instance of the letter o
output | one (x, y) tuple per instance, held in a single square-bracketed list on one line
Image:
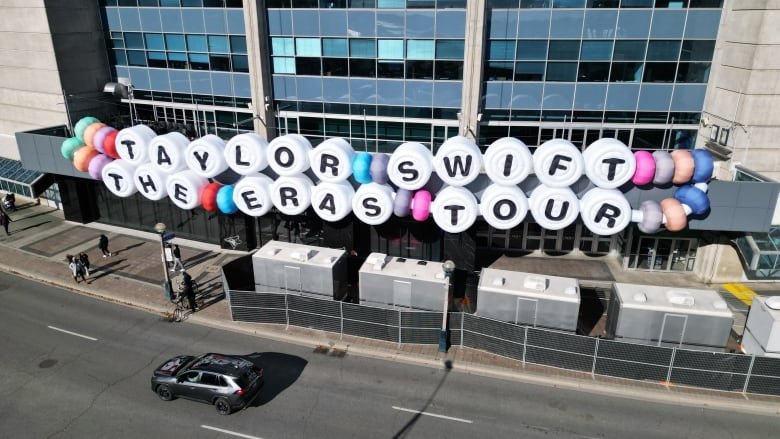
[(294, 144), (494, 197)]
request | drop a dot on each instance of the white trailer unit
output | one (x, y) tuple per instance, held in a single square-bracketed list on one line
[(401, 283), (529, 299), (300, 269), (666, 316), (762, 328)]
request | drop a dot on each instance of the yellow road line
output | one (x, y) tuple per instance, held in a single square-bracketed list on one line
[(741, 292)]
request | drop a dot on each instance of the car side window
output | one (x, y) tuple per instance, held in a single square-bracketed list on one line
[(223, 382), (191, 377), (209, 379)]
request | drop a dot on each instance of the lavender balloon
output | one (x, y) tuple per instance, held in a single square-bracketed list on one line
[(96, 165), (100, 136)]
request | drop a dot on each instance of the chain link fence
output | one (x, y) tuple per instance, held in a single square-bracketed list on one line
[(546, 347)]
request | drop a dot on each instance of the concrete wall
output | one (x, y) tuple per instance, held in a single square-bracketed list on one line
[(47, 46), (744, 89)]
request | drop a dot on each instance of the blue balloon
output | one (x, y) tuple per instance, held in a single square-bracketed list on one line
[(361, 167), (225, 202), (703, 165), (694, 198)]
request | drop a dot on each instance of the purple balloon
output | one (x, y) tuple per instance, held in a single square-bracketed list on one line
[(95, 167), (100, 136)]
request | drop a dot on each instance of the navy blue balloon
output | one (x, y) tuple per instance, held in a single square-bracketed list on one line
[(694, 197), (703, 165)]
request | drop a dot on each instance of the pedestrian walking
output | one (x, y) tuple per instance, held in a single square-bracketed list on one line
[(103, 245), (85, 261), (5, 220), (189, 292), (177, 258), (76, 268)]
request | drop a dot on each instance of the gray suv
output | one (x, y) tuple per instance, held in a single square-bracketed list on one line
[(228, 382)]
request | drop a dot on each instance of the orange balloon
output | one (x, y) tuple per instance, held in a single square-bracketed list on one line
[(82, 156), (89, 133), (676, 219), (683, 166)]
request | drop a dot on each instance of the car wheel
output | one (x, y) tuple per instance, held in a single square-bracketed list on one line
[(164, 392), (222, 406)]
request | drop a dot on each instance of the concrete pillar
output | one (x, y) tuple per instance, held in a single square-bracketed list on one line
[(472, 69), (259, 72)]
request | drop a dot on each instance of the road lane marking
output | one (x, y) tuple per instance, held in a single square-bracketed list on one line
[(207, 427), (73, 333), (450, 418)]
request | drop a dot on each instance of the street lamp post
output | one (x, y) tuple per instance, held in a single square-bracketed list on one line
[(449, 267), (160, 228)]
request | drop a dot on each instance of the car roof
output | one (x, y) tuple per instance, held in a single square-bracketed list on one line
[(223, 364)]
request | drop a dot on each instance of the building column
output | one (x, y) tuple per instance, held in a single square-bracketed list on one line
[(474, 54), (259, 72)]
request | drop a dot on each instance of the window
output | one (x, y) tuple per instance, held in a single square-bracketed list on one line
[(218, 44), (190, 377), (532, 49), (134, 40), (154, 41), (498, 71), (362, 67), (334, 47), (501, 49), (659, 72), (529, 71), (696, 72), (335, 67), (362, 48), (199, 61), (136, 58), (449, 49), (156, 59), (177, 60), (281, 46), (697, 50), (662, 50), (562, 71), (596, 50), (240, 63), (564, 50), (419, 69), (308, 66), (197, 43), (390, 49), (238, 44), (175, 42), (209, 379), (284, 65), (390, 69), (419, 49), (626, 72), (629, 50), (593, 72), (307, 47)]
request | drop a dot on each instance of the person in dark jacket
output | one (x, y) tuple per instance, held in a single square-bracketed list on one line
[(103, 245), (189, 291), (5, 220), (177, 259)]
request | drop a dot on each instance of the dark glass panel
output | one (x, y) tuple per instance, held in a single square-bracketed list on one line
[(308, 66), (335, 67), (659, 72), (390, 69), (365, 68), (593, 72), (419, 69)]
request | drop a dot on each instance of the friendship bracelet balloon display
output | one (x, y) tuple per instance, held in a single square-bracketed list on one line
[(335, 180)]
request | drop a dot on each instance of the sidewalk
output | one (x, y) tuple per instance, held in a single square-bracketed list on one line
[(40, 238)]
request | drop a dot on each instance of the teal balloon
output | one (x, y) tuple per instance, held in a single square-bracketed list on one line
[(69, 146), (82, 124), (225, 202)]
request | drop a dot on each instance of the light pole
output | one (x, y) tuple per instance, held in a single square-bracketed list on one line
[(160, 229), (449, 267)]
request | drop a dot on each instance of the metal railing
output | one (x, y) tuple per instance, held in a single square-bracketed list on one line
[(703, 369)]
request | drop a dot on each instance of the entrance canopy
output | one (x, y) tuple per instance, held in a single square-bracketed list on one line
[(14, 178)]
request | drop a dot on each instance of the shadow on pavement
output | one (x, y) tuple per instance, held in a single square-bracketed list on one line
[(281, 371), (129, 247), (32, 226), (98, 271)]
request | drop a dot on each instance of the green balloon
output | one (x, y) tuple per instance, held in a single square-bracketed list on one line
[(82, 124), (69, 146)]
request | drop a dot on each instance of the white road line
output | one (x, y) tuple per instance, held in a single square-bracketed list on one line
[(207, 427), (73, 333), (433, 414)]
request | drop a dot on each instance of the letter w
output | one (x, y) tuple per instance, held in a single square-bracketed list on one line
[(457, 166)]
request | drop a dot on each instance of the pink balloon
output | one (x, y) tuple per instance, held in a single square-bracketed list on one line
[(96, 165)]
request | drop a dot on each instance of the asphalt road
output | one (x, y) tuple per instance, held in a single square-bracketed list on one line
[(93, 381)]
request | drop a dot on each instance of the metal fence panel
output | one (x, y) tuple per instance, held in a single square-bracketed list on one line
[(618, 350), (256, 300), (494, 345), (493, 328), (313, 305), (419, 335), (369, 314), (708, 379), (630, 370), (371, 330), (259, 315), (766, 366), (632, 361), (422, 319), (315, 321), (764, 385), (556, 358), (715, 361), (561, 341)]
